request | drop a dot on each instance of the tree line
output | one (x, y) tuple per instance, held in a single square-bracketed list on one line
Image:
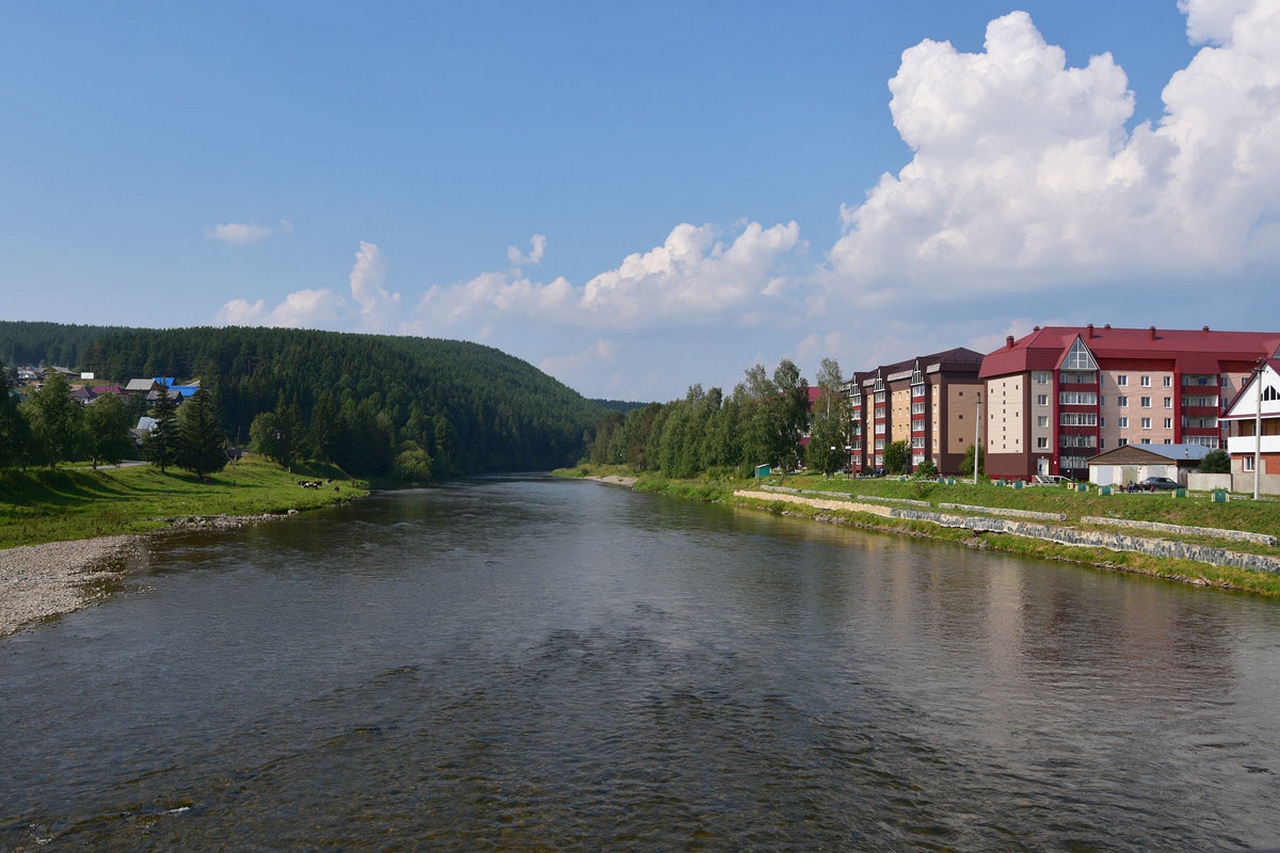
[(409, 409), (766, 420)]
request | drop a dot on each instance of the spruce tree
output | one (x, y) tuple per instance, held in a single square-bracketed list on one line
[(160, 447), (200, 448)]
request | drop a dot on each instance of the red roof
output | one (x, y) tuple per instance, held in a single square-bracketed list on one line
[(1185, 351)]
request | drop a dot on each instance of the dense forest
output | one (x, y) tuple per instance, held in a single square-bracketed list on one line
[(379, 406), (766, 420)]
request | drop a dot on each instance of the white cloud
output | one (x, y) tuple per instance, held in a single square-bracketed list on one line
[(238, 233), (302, 308), (1024, 174), (379, 308), (539, 246), (691, 276)]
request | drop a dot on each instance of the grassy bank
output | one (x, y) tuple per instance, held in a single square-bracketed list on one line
[(1196, 511), (39, 506)]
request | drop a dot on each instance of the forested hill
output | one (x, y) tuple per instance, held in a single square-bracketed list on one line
[(367, 402)]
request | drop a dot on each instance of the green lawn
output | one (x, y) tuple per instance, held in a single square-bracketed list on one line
[(75, 502)]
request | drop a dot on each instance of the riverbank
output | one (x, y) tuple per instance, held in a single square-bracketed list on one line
[(1195, 540), (65, 535), (38, 582)]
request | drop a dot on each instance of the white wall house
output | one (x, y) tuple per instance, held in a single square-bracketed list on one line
[(1256, 411)]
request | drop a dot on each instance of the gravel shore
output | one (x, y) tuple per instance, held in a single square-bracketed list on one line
[(38, 581)]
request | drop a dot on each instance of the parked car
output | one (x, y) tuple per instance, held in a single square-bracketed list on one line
[(1154, 484)]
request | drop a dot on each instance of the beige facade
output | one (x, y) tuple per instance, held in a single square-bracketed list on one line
[(1006, 415)]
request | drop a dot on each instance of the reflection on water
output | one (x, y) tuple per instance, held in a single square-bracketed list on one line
[(541, 664)]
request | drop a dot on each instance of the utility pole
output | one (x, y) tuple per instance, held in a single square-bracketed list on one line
[(977, 440), (1257, 427)]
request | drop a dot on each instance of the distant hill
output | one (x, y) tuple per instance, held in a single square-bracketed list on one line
[(361, 399), (622, 406)]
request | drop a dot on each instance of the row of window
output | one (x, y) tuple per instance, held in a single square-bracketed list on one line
[(1041, 377)]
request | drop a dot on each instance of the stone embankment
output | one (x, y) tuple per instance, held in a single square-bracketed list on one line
[(1057, 533)]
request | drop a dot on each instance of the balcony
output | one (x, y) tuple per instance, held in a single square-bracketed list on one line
[(1239, 445)]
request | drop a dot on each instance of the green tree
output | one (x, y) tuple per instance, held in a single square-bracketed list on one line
[(201, 449), (1216, 462), (14, 432), (966, 464), (56, 421), (829, 430), (897, 457), (926, 470), (160, 446), (106, 427)]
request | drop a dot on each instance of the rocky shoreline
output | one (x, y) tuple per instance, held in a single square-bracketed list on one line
[(41, 581)]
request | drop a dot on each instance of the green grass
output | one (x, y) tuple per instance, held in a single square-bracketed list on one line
[(1198, 510), (75, 502)]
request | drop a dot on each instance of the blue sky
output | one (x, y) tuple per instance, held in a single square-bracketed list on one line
[(640, 197)]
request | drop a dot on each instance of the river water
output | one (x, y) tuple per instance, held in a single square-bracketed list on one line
[(531, 663)]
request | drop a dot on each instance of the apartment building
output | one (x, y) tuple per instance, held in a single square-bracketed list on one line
[(1063, 394), (928, 401)]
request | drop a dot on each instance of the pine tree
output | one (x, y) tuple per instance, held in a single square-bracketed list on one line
[(160, 447), (200, 448)]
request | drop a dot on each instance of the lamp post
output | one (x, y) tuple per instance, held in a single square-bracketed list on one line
[(977, 440), (1257, 427)]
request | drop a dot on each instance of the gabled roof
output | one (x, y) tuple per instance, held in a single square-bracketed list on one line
[(1186, 351), (1245, 404), (1161, 452)]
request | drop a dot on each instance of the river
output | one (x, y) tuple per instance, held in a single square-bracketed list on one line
[(533, 663)]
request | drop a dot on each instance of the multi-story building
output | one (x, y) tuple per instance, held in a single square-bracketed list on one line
[(928, 402), (1063, 394)]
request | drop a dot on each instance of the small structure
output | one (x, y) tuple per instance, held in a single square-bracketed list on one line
[(1134, 463)]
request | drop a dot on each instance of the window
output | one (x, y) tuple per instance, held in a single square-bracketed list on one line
[(1123, 423), (1248, 463), (1122, 442), (1042, 443), (1042, 399), (1042, 420), (1078, 398), (1078, 419), (1168, 423), (1146, 402), (1102, 422), (1122, 380), (1122, 401), (1144, 381), (1226, 381), (1146, 423), (1041, 377), (1168, 382), (1168, 402), (1168, 441)]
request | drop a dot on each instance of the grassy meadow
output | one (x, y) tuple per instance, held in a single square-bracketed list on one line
[(78, 502)]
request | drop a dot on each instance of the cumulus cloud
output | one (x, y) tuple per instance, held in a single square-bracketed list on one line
[(539, 245), (691, 276), (1024, 173), (378, 306), (243, 233), (302, 308)]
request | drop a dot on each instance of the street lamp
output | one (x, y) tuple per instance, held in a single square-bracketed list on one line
[(1257, 427), (977, 440)]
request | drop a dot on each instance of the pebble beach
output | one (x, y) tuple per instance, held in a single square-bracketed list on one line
[(39, 581)]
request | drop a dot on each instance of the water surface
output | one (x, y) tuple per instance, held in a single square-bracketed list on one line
[(517, 664)]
